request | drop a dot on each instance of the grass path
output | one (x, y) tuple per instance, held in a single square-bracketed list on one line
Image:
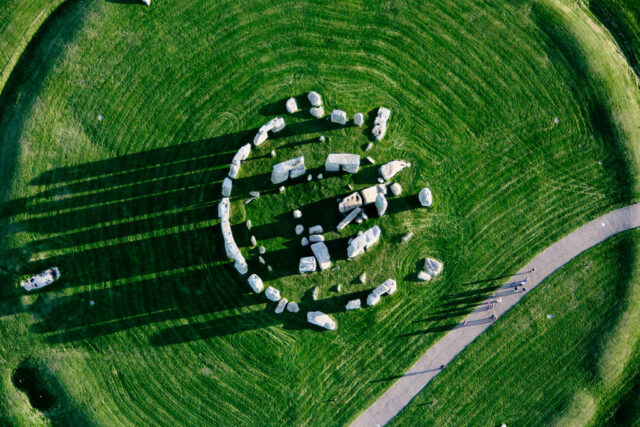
[(476, 323)]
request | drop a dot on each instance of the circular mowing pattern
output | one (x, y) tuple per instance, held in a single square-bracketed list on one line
[(352, 207)]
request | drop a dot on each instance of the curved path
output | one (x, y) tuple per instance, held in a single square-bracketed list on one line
[(445, 350)]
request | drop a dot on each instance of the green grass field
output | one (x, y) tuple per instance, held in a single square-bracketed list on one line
[(126, 206)]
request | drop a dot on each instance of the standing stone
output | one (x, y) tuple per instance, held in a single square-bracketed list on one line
[(299, 229), (425, 197), (281, 305), (307, 265), (423, 276), (354, 304), (381, 204), (321, 252), (309, 178), (292, 307), (226, 187), (314, 293), (389, 170), (314, 98), (273, 153), (321, 138), (262, 250), (396, 189), (407, 237), (316, 229), (317, 112), (281, 189), (363, 278), (358, 119), (369, 146), (272, 294), (255, 282), (261, 260), (292, 106), (297, 214), (315, 238), (248, 224), (304, 241)]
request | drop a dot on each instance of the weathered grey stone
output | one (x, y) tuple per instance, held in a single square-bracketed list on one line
[(281, 305), (292, 307), (307, 265), (291, 168), (255, 282), (262, 250), (350, 202), (381, 204), (304, 241), (432, 267), (281, 189), (363, 242), (314, 98), (369, 146), (342, 161), (318, 318), (317, 112), (320, 176), (291, 105), (339, 116), (371, 160), (425, 197), (358, 119), (363, 278), (261, 260), (248, 224), (424, 276), (389, 287), (354, 304), (253, 240), (297, 214), (299, 229), (233, 170), (321, 252), (407, 237), (370, 194), (273, 153), (226, 187), (350, 217), (309, 177), (315, 238), (396, 189), (338, 288), (321, 138), (272, 294), (389, 170), (314, 293), (380, 123), (316, 229)]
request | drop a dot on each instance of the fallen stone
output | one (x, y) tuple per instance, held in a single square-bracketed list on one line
[(256, 284), (249, 200), (316, 229), (350, 202), (350, 217), (307, 265), (381, 204), (321, 252), (147, 3), (292, 307), (380, 180), (339, 116), (315, 238), (389, 287), (358, 119), (226, 187), (396, 189), (314, 98), (371, 160), (304, 241), (380, 123), (317, 112), (292, 168), (272, 294), (432, 266), (254, 194), (233, 170), (318, 318), (354, 304), (407, 237), (389, 170), (370, 194), (364, 241), (424, 276), (369, 146), (291, 105), (297, 214), (299, 229), (281, 305), (425, 197)]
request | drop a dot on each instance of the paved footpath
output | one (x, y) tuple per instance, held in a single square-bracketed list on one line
[(445, 350)]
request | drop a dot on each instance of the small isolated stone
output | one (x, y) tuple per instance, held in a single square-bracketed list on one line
[(253, 240), (299, 229), (339, 116), (314, 98), (380, 180), (281, 189), (261, 260), (281, 305), (297, 214), (316, 229), (255, 194), (315, 238), (339, 288), (425, 197), (549, 316), (304, 241), (309, 177), (371, 160), (273, 153), (292, 307), (358, 119), (363, 278), (369, 146), (321, 138), (423, 276), (407, 237), (364, 216), (272, 294), (320, 176), (314, 293), (396, 189), (354, 304), (381, 204), (269, 268), (101, 117), (248, 224), (262, 250), (557, 120), (349, 187), (92, 303)]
